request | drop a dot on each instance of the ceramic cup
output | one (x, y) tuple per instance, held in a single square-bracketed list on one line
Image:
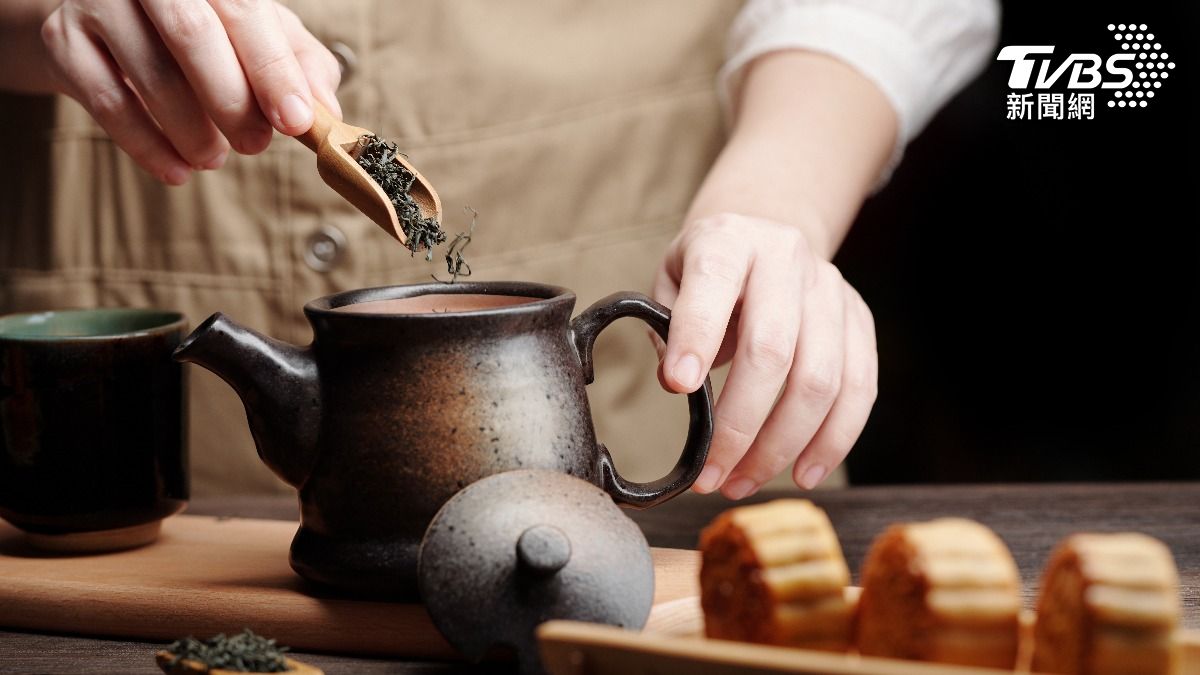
[(93, 448)]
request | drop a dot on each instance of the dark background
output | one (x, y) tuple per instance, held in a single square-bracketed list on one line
[(1035, 283)]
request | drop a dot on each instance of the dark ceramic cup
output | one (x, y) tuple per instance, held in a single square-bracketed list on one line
[(93, 450), (408, 394)]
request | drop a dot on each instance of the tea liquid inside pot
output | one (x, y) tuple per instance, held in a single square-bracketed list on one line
[(436, 302)]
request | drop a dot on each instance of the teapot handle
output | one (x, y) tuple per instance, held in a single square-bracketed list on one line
[(584, 330)]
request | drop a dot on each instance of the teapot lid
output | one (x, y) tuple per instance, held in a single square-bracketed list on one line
[(515, 549)]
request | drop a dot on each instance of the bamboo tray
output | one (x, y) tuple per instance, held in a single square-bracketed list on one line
[(220, 575), (673, 642)]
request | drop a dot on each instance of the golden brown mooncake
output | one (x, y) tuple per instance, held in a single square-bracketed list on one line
[(1109, 604), (774, 574), (946, 591)]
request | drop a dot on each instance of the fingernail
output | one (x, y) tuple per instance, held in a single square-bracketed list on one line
[(294, 113), (659, 346), (812, 477), (214, 163), (255, 141), (739, 488), (687, 371), (177, 175), (706, 482), (336, 107)]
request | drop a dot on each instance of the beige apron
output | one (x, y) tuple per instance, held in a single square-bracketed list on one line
[(578, 130)]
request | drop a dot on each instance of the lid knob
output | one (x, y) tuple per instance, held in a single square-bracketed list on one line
[(543, 549)]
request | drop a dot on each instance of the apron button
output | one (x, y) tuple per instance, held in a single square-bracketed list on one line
[(324, 247), (346, 58)]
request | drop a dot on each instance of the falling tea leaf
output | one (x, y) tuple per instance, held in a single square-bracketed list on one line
[(455, 264)]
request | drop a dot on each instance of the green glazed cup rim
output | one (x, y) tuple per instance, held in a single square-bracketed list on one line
[(89, 324)]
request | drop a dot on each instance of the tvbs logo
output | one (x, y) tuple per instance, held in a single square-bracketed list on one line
[(1132, 74), (1085, 69)]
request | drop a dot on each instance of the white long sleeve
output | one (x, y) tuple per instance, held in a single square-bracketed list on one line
[(918, 52)]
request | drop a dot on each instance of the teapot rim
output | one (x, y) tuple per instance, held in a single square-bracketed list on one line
[(542, 296)]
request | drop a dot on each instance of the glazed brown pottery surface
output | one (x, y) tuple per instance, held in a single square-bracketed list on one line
[(391, 411), (92, 426)]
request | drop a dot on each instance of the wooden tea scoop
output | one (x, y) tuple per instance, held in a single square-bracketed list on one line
[(191, 667), (337, 145)]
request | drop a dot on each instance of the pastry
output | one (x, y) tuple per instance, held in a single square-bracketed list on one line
[(774, 574), (1109, 603), (946, 590)]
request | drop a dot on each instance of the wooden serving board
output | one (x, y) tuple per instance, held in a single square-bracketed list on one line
[(207, 575), (674, 642)]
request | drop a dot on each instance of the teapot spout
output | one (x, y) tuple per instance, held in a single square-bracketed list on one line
[(277, 383)]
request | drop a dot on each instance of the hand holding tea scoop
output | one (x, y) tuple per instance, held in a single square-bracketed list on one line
[(376, 179)]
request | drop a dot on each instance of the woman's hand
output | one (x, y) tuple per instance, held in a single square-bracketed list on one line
[(176, 83), (749, 276), (753, 290)]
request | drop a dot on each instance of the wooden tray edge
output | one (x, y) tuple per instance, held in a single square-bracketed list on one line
[(574, 648)]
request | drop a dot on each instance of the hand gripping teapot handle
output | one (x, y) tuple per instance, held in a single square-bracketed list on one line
[(584, 330)]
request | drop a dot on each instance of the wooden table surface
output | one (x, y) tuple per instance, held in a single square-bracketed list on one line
[(1030, 518)]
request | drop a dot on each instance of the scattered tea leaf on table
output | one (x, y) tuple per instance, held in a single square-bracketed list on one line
[(244, 652)]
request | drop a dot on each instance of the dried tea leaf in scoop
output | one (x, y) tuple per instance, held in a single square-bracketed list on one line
[(378, 158)]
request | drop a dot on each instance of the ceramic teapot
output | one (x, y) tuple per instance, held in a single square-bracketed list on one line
[(407, 394)]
